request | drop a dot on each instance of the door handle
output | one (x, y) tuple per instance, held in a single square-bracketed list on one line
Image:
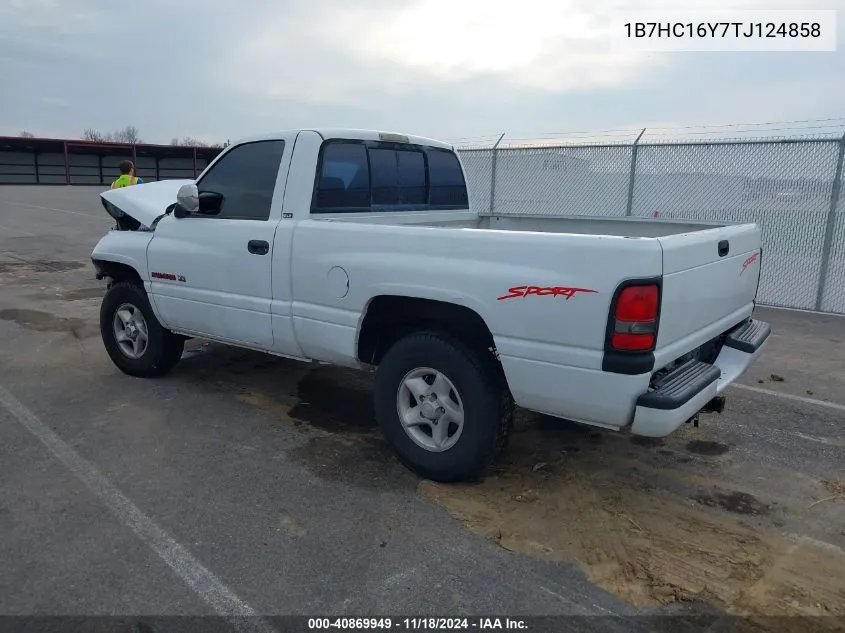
[(258, 247), (724, 248)]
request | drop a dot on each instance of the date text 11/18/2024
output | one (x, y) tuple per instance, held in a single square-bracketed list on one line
[(417, 624)]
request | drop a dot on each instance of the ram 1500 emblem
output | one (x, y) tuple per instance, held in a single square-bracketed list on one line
[(168, 276)]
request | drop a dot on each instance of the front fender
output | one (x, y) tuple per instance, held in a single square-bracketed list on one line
[(128, 248), (125, 247)]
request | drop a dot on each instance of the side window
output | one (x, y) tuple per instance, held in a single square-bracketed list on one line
[(446, 181), (241, 184), (398, 177), (344, 181)]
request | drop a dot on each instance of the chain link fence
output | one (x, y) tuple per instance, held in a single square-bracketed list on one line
[(789, 187)]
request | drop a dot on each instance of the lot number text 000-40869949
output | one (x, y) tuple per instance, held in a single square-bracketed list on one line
[(417, 624)]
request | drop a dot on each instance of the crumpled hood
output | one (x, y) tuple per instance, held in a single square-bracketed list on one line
[(145, 202)]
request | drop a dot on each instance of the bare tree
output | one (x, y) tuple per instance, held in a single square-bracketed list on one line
[(129, 134), (190, 141), (26, 134), (94, 135)]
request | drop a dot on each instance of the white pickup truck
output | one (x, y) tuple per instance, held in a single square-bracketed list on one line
[(363, 249)]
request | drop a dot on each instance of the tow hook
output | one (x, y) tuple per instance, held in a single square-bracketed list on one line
[(694, 420), (716, 405)]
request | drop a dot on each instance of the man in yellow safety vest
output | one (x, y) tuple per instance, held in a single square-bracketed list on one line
[(127, 176)]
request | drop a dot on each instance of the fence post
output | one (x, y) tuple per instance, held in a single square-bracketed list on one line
[(493, 173), (194, 156), (67, 164), (830, 224), (634, 148)]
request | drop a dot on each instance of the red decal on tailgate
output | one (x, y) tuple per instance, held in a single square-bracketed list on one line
[(519, 292), (749, 261)]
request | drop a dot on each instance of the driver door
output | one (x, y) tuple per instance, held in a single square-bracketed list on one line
[(210, 272)]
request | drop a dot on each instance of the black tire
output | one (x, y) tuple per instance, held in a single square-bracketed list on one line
[(164, 349), (488, 407)]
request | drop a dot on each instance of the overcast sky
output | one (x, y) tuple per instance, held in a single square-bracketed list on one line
[(450, 69)]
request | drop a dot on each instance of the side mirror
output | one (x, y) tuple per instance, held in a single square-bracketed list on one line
[(211, 203), (187, 201)]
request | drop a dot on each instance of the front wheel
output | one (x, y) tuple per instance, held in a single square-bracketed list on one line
[(134, 339), (442, 406)]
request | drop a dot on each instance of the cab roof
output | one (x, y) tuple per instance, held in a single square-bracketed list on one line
[(355, 134)]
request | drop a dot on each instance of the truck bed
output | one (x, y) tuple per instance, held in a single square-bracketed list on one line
[(571, 225), (706, 283)]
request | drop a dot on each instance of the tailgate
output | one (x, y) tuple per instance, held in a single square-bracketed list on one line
[(709, 276)]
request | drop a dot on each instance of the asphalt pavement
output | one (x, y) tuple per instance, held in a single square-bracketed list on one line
[(242, 484)]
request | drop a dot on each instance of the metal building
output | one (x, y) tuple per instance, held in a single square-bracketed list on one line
[(44, 161)]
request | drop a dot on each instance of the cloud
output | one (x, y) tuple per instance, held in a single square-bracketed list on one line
[(399, 48), (447, 68)]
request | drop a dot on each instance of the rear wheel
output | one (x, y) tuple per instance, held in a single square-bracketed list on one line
[(442, 406), (134, 339)]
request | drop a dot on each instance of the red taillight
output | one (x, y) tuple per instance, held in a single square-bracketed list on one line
[(635, 342), (635, 318), (637, 303)]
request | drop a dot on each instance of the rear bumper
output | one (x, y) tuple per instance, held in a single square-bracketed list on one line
[(684, 392)]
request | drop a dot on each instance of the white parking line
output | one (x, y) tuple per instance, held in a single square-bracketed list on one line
[(204, 583), (789, 396)]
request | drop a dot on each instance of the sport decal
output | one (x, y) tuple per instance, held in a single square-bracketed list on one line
[(519, 292), (749, 261)]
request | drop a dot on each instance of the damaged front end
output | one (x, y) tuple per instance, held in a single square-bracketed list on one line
[(141, 207), (123, 222)]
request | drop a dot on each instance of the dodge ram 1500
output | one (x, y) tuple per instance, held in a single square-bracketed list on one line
[(363, 249)]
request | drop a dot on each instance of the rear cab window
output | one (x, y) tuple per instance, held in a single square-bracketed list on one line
[(366, 176)]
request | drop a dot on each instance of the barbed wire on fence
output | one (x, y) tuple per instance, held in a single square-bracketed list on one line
[(795, 130)]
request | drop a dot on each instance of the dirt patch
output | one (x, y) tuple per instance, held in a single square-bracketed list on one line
[(290, 526), (595, 508), (77, 294), (48, 322), (701, 447), (737, 502), (834, 486), (83, 293), (38, 266)]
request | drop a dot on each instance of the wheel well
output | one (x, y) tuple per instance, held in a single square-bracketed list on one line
[(117, 272), (389, 318)]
